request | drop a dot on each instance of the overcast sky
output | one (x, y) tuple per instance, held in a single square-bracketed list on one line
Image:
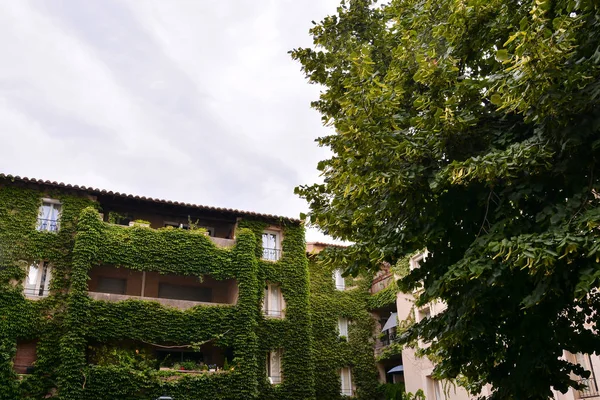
[(188, 100)]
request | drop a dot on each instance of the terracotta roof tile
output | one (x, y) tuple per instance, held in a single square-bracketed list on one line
[(143, 198)]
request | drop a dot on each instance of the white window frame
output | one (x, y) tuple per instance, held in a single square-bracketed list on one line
[(273, 303), (271, 254), (415, 261), (346, 388), (338, 280), (434, 389), (343, 324), (424, 312), (47, 226), (274, 370), (585, 361), (40, 286)]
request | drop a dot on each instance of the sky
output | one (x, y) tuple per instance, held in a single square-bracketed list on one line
[(188, 100)]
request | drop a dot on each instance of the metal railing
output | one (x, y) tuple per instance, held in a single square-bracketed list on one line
[(36, 292), (271, 254), (273, 313), (50, 225), (591, 389)]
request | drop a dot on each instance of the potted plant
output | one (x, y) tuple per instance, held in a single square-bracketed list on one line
[(140, 222), (212, 367), (189, 365)]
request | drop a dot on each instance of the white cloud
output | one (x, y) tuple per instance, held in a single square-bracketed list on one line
[(186, 100)]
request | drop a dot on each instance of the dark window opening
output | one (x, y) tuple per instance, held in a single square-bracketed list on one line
[(180, 292), (111, 285), (25, 357)]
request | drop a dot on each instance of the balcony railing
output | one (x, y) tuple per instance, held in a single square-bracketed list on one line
[(381, 344), (175, 303), (271, 254), (273, 313), (50, 225), (591, 389), (36, 292)]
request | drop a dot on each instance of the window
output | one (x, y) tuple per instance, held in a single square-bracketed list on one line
[(346, 382), (180, 292), (274, 366), (434, 387), (273, 303), (340, 282), (270, 245), (38, 279), (119, 219), (177, 225), (48, 216), (25, 357), (424, 312), (590, 383), (111, 285), (343, 326), (169, 357), (415, 262)]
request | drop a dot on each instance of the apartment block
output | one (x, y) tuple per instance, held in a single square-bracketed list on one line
[(418, 371), (108, 295), (354, 325)]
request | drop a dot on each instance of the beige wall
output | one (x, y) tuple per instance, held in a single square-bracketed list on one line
[(417, 371)]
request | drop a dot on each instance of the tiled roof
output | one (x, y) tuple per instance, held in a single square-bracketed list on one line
[(327, 244), (143, 198)]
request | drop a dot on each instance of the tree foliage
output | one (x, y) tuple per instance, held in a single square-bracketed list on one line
[(471, 128)]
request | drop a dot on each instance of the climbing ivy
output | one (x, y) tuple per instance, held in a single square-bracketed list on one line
[(69, 321), (333, 352)]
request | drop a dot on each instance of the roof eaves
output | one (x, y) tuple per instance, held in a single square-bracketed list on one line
[(143, 198)]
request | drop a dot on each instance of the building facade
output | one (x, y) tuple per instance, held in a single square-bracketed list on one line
[(418, 371), (353, 354), (105, 295)]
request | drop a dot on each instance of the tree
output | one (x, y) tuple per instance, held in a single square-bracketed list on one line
[(471, 128)]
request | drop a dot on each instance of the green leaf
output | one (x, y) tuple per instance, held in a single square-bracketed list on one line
[(502, 55), (496, 99)]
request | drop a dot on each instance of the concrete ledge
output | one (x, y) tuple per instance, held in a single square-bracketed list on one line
[(179, 304), (221, 242)]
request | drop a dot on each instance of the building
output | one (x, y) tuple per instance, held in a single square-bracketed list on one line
[(418, 371), (106, 295), (353, 356)]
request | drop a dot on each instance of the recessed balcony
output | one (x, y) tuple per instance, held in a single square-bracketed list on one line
[(117, 284)]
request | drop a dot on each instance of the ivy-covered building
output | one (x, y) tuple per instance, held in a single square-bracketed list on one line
[(354, 330), (106, 295)]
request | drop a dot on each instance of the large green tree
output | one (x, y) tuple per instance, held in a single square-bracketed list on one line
[(470, 128)]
